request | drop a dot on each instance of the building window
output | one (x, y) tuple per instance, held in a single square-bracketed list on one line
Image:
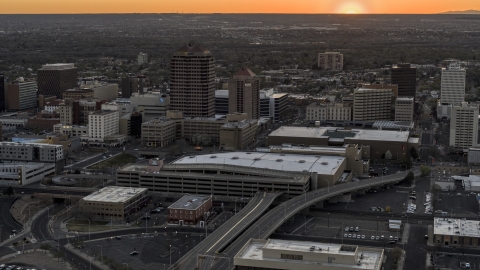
[(292, 257)]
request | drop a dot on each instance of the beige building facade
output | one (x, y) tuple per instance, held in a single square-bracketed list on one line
[(328, 112), (244, 93), (372, 104), (238, 135), (113, 203), (331, 61), (404, 107), (464, 126)]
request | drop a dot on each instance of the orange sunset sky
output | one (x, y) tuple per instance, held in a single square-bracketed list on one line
[(232, 6)]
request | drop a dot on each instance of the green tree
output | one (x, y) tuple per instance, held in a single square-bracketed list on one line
[(409, 177), (425, 170), (45, 247)]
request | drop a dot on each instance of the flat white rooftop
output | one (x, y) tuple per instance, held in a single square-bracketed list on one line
[(114, 194), (456, 227), (334, 133), (326, 165), (254, 251), (299, 132)]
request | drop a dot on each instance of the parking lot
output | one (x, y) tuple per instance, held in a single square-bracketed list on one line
[(452, 261), (335, 226), (154, 250)]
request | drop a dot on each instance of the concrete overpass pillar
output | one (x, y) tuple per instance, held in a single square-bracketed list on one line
[(333, 199)]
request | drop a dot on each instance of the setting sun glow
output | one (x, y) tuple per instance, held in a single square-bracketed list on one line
[(350, 7), (245, 6), (350, 11)]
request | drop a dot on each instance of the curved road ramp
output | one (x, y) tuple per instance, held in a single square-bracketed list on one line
[(230, 230), (216, 259)]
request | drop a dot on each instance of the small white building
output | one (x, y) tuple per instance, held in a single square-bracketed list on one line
[(306, 255), (20, 174), (456, 232)]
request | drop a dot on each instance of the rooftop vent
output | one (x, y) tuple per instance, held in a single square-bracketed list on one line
[(282, 155), (191, 156), (257, 158), (324, 163), (301, 161), (213, 156), (234, 157), (248, 153), (279, 160)]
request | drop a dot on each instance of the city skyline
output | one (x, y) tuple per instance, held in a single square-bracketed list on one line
[(248, 6)]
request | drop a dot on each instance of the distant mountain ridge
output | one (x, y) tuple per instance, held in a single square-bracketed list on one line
[(470, 11)]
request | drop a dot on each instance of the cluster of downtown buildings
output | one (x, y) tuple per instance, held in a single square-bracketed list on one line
[(295, 160)]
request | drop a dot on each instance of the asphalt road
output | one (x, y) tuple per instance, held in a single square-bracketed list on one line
[(7, 223)]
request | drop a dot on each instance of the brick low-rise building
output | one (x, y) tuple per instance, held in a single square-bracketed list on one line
[(189, 209)]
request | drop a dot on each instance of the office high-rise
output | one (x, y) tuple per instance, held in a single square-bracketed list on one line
[(405, 77), (53, 79), (129, 86), (244, 93), (453, 85), (331, 61), (464, 126), (2, 93), (192, 81)]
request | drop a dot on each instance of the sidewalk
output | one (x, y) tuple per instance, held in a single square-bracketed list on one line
[(26, 231), (86, 257)]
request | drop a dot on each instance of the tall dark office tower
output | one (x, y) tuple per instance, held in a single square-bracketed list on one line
[(2, 93), (129, 86), (405, 77), (53, 79), (192, 81), (244, 93)]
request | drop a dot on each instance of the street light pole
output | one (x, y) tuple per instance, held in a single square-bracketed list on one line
[(328, 215), (170, 251), (101, 253), (89, 229), (258, 230)]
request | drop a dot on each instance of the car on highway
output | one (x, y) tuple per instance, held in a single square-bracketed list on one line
[(136, 149), (118, 237), (133, 253), (467, 265)]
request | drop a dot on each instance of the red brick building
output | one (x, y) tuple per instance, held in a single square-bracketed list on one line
[(189, 209)]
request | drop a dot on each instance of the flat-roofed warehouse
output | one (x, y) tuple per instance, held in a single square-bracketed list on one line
[(289, 254), (113, 202), (238, 174), (397, 143)]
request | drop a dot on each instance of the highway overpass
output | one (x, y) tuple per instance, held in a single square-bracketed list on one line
[(272, 220), (231, 229)]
